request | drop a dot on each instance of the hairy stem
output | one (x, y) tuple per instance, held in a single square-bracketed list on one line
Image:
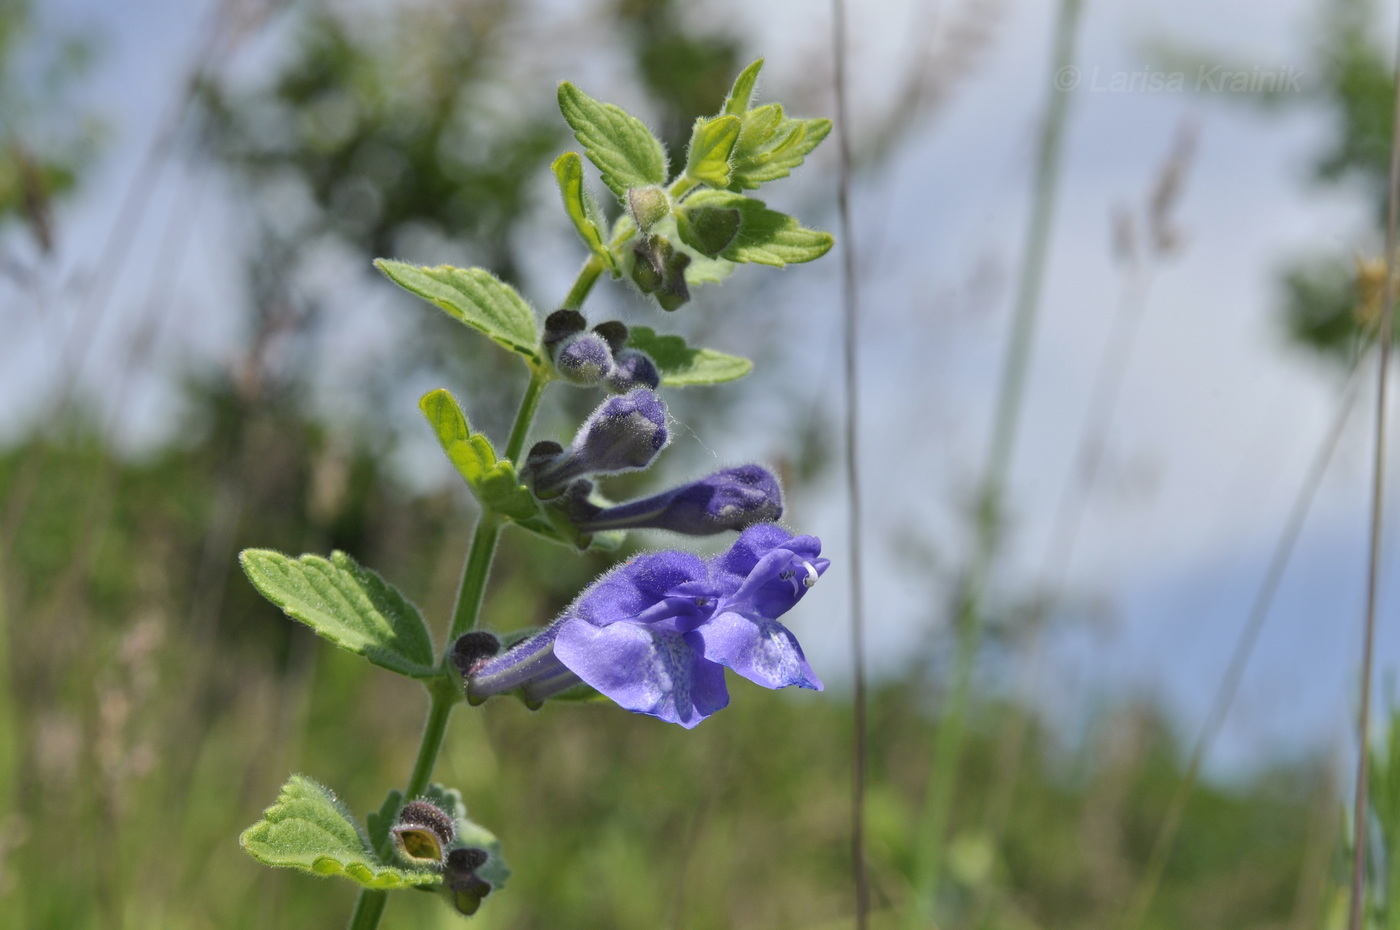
[(587, 277), (369, 906)]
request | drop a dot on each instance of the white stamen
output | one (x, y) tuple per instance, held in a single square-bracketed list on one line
[(811, 578)]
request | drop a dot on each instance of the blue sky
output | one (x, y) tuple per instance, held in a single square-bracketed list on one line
[(1213, 432)]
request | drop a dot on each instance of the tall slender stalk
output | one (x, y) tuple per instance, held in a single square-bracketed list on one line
[(1006, 422), (852, 454), (476, 571), (1363, 723)]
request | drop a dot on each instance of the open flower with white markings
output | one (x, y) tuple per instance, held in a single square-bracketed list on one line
[(656, 633)]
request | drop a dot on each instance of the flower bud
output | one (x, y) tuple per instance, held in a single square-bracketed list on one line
[(471, 649), (464, 888), (624, 434), (421, 832), (559, 325), (729, 499), (674, 293), (633, 368), (583, 358), (708, 230), (649, 257), (614, 332), (648, 206)]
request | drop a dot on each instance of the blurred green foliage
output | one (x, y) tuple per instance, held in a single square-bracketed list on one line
[(44, 144), (151, 703), (1326, 295)]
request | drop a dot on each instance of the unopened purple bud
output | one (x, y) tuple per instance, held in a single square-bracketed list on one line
[(583, 358), (624, 434), (633, 368), (730, 499), (473, 648), (559, 325)]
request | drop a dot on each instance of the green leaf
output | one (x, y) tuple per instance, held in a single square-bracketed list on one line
[(309, 830), (704, 270), (737, 103), (777, 147), (711, 144), (682, 366), (349, 605), (766, 237), (495, 482), (472, 453), (379, 822), (568, 171), (622, 147), (475, 297)]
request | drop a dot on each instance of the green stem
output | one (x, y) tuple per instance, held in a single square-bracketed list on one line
[(947, 759), (528, 405), (587, 277), (474, 574), (369, 906), (684, 185)]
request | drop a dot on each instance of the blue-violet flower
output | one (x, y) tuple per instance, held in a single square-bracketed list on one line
[(656, 633), (633, 368), (729, 499), (624, 434), (584, 358)]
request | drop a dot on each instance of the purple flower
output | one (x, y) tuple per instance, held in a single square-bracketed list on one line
[(656, 633), (633, 368), (584, 358), (624, 434), (729, 499)]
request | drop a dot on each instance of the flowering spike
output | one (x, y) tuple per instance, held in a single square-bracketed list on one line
[(623, 434), (655, 633), (729, 499)]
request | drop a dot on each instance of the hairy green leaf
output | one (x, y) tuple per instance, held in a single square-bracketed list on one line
[(472, 296), (770, 144), (347, 604), (682, 366), (737, 103), (622, 147), (711, 144), (568, 171), (309, 830), (766, 236), (495, 482)]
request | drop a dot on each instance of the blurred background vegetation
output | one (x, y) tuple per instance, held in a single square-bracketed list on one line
[(151, 703)]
